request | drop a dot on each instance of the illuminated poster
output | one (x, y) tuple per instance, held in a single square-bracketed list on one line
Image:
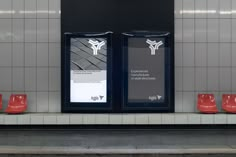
[(148, 73), (88, 70), (146, 69)]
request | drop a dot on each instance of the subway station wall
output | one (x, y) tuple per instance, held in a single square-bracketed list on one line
[(205, 51)]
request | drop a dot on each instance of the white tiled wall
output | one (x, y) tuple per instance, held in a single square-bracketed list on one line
[(30, 52), (205, 51)]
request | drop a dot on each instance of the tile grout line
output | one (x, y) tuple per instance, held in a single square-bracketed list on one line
[(194, 75), (182, 72), (231, 50), (11, 1), (24, 48), (36, 67), (48, 59)]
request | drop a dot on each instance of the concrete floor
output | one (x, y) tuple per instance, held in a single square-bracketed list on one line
[(152, 142)]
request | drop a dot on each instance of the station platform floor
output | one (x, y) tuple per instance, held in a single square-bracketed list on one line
[(117, 142)]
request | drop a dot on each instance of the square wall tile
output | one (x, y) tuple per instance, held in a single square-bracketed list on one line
[(233, 79), (168, 119), (188, 6), (207, 119), (5, 54), (54, 8), (188, 30), (178, 8), (181, 119), (200, 30), (231, 119), (54, 54), (225, 55), (23, 119), (42, 54), (5, 83), (30, 29), (54, 102), (6, 6), (213, 7), (50, 119), (220, 119), (18, 54), (178, 54), (42, 79), (30, 79), (18, 79), (30, 54), (200, 54), (233, 59), (54, 30), (2, 119), (233, 30), (188, 54), (188, 79), (102, 119), (18, 30), (213, 30), (178, 30), (154, 119), (5, 31), (63, 119), (225, 8), (141, 119), (18, 6), (42, 30), (234, 9), (36, 119), (89, 119), (42, 8), (178, 101), (42, 102), (76, 119), (213, 54), (54, 79), (10, 119), (225, 79), (128, 118), (189, 102), (30, 8), (213, 79), (219, 100), (32, 101), (200, 8), (194, 118), (225, 30), (201, 79), (178, 79), (115, 119), (5, 99)]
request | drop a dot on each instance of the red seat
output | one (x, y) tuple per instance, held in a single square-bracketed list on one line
[(229, 103), (206, 103), (17, 104), (0, 101)]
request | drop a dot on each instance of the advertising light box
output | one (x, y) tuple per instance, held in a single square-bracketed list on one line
[(88, 61), (93, 83), (147, 78)]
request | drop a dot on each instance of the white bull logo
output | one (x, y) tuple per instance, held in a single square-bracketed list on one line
[(96, 45), (153, 45)]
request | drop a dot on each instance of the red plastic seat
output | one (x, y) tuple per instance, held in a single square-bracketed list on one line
[(229, 103), (0, 101), (17, 104), (206, 103)]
